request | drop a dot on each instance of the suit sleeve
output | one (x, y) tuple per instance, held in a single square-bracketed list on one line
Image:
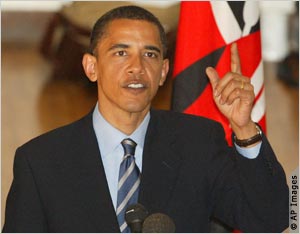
[(250, 194), (24, 211)]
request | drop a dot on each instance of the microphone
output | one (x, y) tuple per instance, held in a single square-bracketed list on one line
[(159, 223), (135, 215)]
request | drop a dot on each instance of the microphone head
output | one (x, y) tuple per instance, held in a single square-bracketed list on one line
[(159, 223), (135, 215)]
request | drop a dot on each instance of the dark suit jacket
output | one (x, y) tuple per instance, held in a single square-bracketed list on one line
[(189, 173)]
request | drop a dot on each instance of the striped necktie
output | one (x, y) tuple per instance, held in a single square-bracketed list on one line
[(129, 181)]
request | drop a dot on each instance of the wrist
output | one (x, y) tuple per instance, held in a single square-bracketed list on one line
[(244, 132), (250, 141)]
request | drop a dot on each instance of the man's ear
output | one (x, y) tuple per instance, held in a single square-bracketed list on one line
[(164, 72), (89, 63)]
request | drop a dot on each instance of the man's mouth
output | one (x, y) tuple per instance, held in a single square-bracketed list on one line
[(136, 86)]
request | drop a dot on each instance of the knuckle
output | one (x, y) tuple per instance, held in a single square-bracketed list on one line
[(230, 75), (251, 96), (237, 92), (232, 84)]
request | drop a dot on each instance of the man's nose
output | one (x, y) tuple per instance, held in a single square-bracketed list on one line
[(136, 65)]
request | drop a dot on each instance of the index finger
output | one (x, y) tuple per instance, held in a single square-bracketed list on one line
[(235, 59)]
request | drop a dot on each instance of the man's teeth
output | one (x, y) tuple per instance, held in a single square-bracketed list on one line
[(135, 86)]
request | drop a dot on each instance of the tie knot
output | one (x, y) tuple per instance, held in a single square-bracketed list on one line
[(129, 146)]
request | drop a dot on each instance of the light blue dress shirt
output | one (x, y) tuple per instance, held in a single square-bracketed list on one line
[(112, 152), (109, 142)]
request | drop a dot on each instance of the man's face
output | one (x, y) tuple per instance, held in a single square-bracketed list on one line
[(129, 66)]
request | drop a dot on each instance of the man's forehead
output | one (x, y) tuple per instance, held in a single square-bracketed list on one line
[(127, 27), (131, 32), (124, 22)]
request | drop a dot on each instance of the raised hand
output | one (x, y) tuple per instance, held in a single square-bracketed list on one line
[(234, 96)]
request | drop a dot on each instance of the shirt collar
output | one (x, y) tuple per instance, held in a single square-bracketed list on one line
[(109, 138)]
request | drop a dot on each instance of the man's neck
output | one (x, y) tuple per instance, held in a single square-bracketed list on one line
[(123, 121)]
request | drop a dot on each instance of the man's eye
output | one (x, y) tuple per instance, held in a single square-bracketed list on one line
[(150, 55), (121, 53)]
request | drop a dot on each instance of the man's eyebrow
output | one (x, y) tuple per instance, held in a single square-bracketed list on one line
[(119, 46), (155, 48), (126, 46)]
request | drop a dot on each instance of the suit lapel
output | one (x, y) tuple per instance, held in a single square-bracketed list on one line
[(92, 184), (160, 164), (160, 170)]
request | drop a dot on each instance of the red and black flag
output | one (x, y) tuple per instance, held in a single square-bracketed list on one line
[(206, 31)]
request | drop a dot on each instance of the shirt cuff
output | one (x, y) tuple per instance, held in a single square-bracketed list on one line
[(251, 152)]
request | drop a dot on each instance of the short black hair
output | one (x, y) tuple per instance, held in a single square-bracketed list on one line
[(125, 12)]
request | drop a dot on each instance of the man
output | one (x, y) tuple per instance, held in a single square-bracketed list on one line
[(71, 179)]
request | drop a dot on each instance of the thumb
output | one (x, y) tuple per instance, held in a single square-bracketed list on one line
[(213, 76)]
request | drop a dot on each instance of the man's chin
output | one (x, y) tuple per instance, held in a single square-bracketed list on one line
[(136, 109)]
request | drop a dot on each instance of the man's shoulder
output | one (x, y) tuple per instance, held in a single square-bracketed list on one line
[(178, 118), (184, 124), (186, 128), (61, 136)]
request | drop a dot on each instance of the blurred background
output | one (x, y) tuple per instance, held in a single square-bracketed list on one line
[(43, 85)]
